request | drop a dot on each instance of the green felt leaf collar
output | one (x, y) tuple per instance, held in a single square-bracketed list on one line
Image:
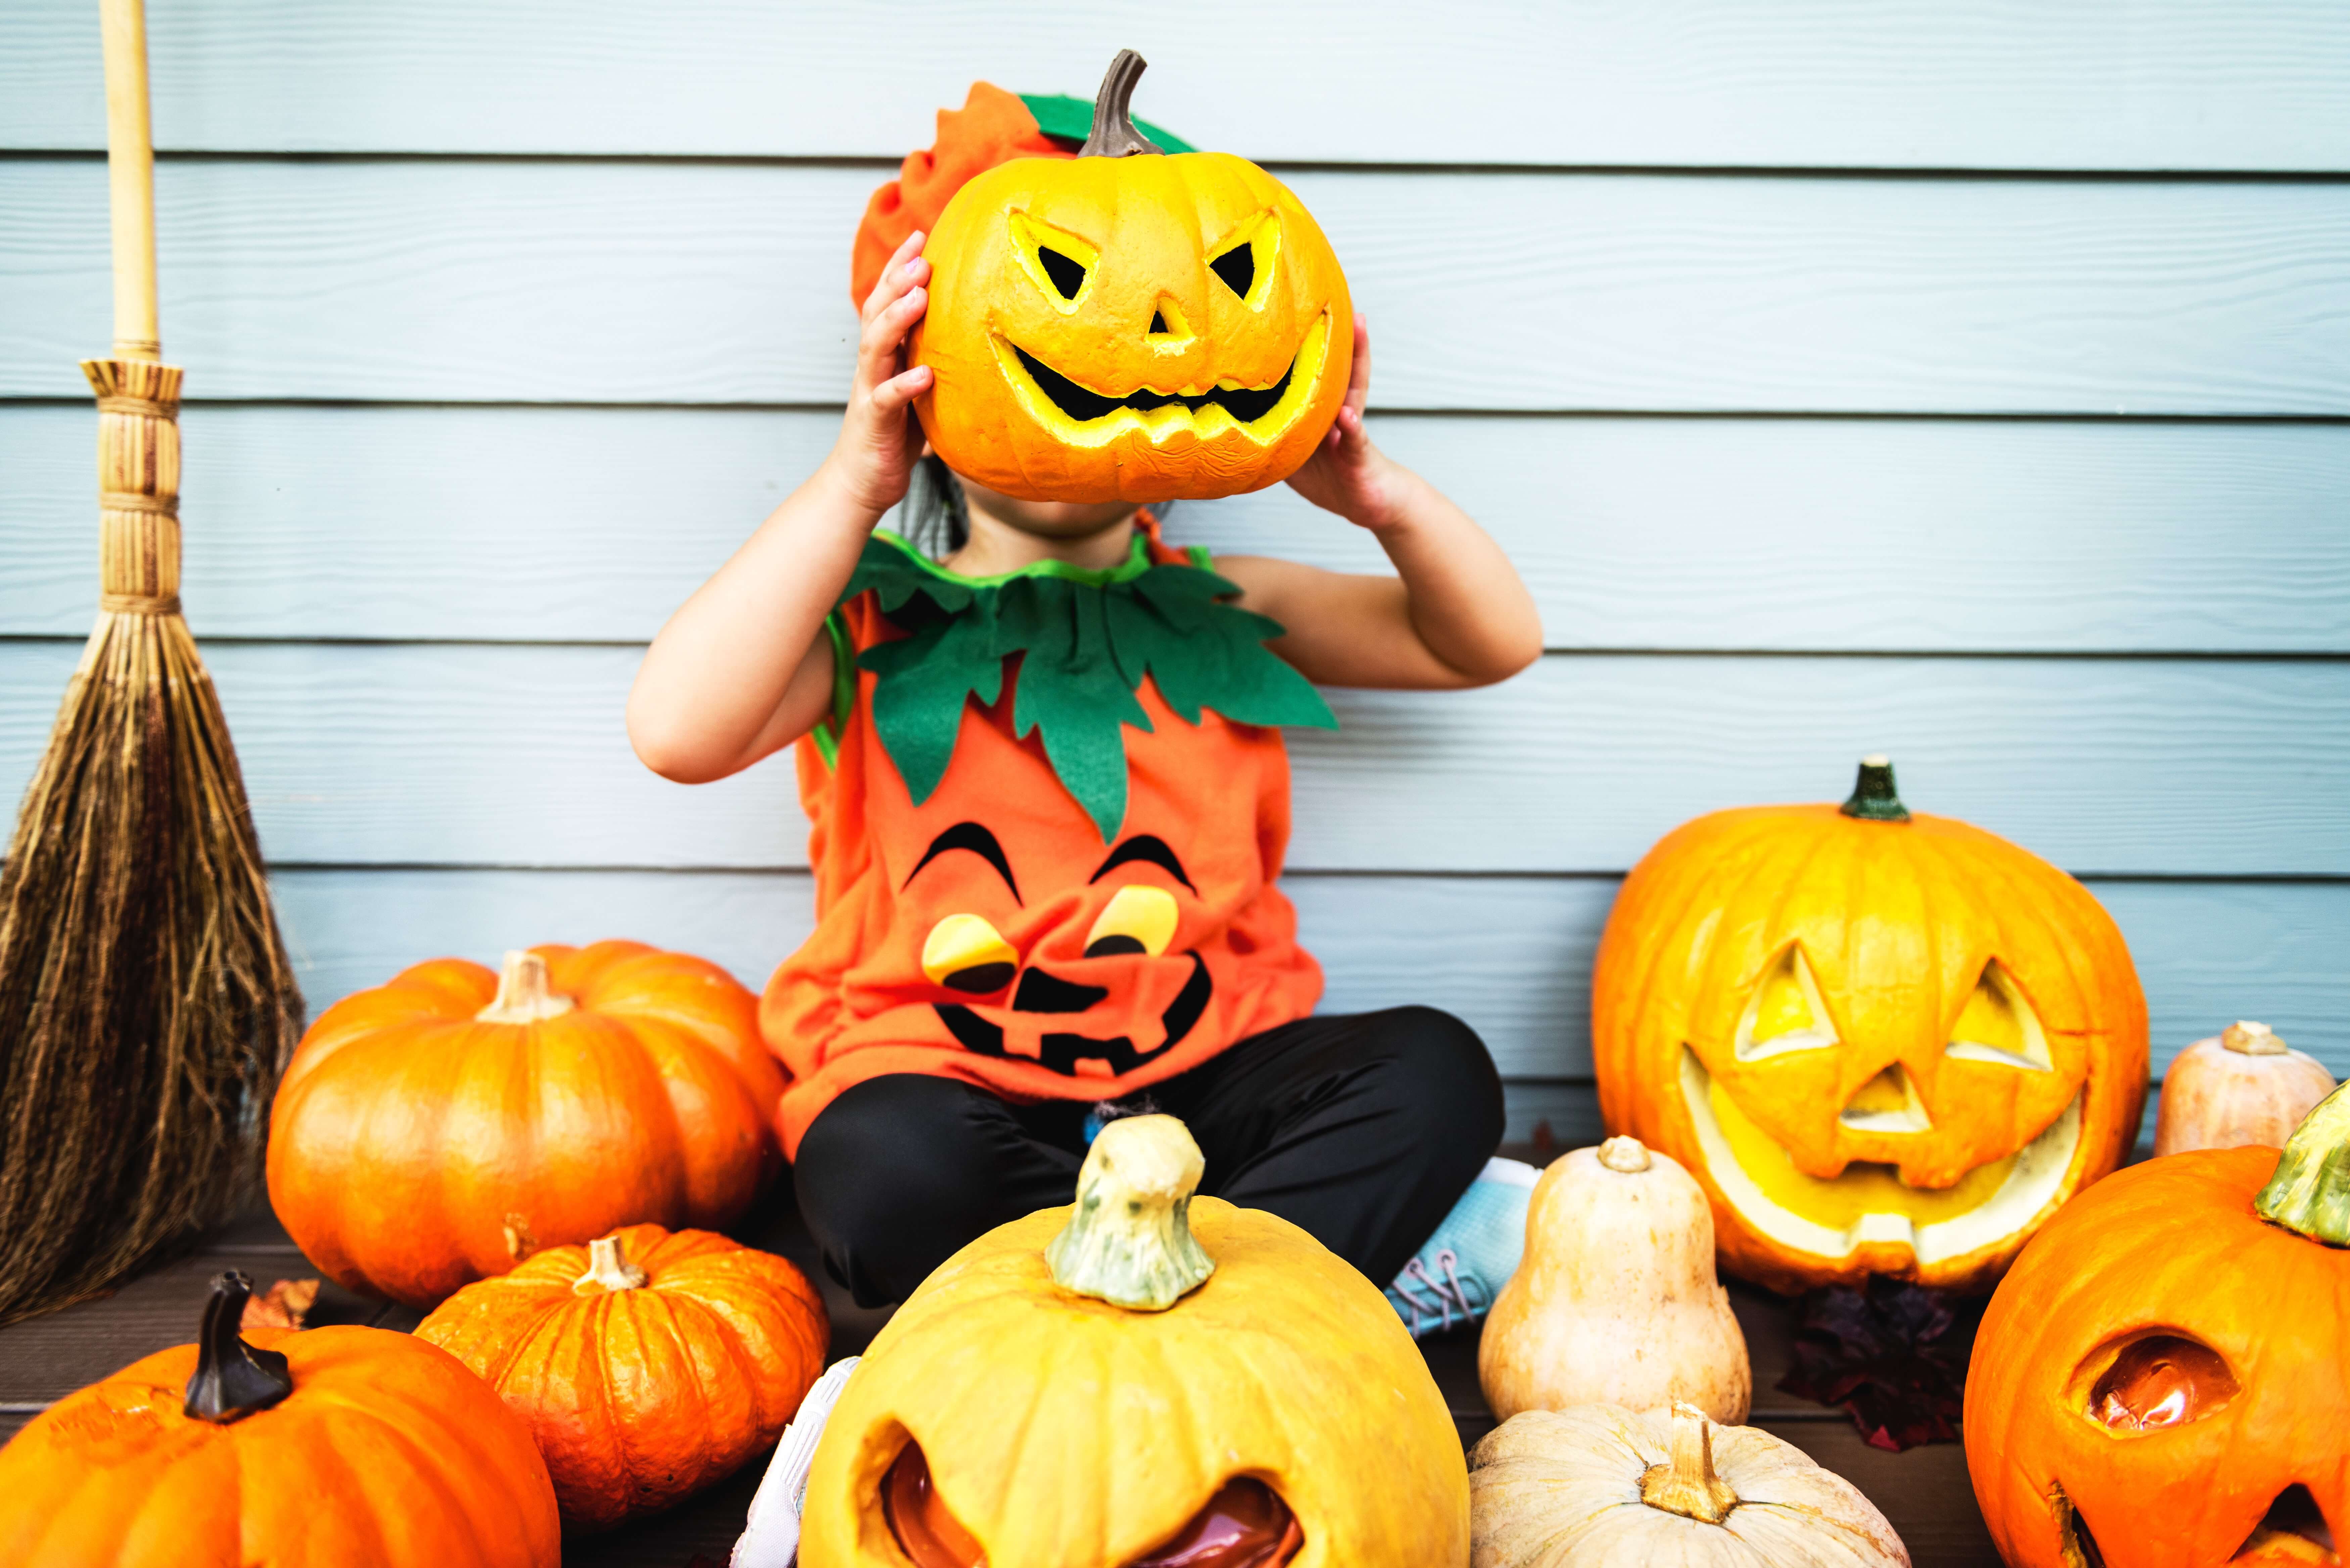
[(1086, 640)]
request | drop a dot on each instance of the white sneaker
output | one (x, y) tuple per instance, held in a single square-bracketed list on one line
[(771, 1537)]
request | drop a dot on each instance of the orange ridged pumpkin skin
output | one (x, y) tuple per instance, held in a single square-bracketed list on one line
[(1065, 1432), (386, 1453), (639, 1396), (1154, 223), (2169, 1247), (1899, 924), (414, 1149)]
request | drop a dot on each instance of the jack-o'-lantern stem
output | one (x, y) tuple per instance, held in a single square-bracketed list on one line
[(232, 1379), (2310, 1192), (1873, 795), (525, 994), (1129, 1241), (1114, 135), (1686, 1484)]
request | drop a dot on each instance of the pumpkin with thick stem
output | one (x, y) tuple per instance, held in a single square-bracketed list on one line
[(312, 1449), (2163, 1379), (1597, 1486), (648, 1363), (2243, 1085), (1130, 324), (1883, 1043), (445, 1126), (1144, 1379)]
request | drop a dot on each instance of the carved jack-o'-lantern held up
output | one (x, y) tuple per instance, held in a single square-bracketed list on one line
[(1141, 1380), (1131, 324), (1884, 1042), (2163, 1380)]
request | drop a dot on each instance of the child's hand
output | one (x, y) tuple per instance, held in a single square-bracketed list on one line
[(880, 440), (1348, 475)]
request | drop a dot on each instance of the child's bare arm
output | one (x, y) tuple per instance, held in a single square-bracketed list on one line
[(743, 668), (1454, 615)]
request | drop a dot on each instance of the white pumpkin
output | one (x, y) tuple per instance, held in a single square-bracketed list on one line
[(2243, 1085), (1616, 1301), (1554, 1488)]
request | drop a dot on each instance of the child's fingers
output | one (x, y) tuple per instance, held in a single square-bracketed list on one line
[(878, 345), (896, 277), (892, 395), (1358, 376)]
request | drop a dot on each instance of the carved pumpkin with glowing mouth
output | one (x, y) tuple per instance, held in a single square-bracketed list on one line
[(1882, 1044), (1130, 324)]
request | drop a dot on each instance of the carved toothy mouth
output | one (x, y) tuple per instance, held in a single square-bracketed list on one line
[(2033, 1177), (1080, 416)]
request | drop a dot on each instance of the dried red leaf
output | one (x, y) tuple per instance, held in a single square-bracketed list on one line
[(1892, 1355), (284, 1305)]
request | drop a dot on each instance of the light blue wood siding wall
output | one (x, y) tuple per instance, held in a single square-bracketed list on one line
[(1966, 381)]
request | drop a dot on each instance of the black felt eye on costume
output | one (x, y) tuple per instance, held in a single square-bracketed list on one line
[(1068, 274), (1237, 267)]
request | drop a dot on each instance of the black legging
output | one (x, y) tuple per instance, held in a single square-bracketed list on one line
[(1363, 1128)]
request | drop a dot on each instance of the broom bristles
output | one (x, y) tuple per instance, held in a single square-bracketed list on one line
[(146, 1001)]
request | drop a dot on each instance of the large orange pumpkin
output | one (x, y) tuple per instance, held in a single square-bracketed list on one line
[(1099, 1386), (2163, 1380), (648, 1365), (318, 1450), (1130, 324), (442, 1127), (1883, 1043)]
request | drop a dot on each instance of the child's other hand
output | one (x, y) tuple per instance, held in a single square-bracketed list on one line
[(1348, 475), (880, 440)]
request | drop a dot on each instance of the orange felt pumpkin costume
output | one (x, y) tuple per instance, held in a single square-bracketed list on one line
[(1074, 895)]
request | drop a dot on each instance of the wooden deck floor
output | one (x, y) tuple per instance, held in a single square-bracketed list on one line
[(1924, 1491)]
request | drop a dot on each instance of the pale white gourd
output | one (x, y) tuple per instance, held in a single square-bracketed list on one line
[(2241, 1086), (1556, 1489), (1616, 1301)]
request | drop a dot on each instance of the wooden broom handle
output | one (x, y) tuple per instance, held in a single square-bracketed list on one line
[(131, 179)]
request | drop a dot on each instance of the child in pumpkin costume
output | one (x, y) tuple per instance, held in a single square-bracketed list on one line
[(1050, 801)]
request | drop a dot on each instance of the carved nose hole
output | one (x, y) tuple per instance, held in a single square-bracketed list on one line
[(1889, 1103), (2292, 1517), (1041, 992), (1168, 329)]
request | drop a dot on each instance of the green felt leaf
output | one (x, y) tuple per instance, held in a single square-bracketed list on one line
[(1071, 119), (1085, 641)]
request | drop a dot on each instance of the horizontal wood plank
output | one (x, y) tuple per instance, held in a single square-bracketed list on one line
[(696, 283), (592, 524), (1824, 82), (480, 755), (1511, 955)]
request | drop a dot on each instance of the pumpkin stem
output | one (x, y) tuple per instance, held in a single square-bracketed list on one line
[(524, 994), (233, 1379), (2310, 1193), (1114, 135), (608, 1269), (2253, 1039), (1626, 1156), (1873, 797), (1128, 1241), (1688, 1485)]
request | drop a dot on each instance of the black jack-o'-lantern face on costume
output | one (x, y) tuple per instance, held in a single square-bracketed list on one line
[(1034, 1005)]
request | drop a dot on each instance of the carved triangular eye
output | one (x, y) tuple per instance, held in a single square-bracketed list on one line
[(1786, 1012), (1999, 1026), (1237, 267)]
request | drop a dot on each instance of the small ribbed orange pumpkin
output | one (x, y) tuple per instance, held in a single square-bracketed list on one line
[(2163, 1379), (318, 1449), (445, 1126), (648, 1365), (1883, 1043)]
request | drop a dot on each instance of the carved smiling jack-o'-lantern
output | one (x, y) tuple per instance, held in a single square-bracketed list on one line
[(1884, 1044), (2163, 1381), (1130, 324), (1099, 1386)]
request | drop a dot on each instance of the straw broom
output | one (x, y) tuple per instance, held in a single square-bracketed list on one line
[(146, 1002)]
